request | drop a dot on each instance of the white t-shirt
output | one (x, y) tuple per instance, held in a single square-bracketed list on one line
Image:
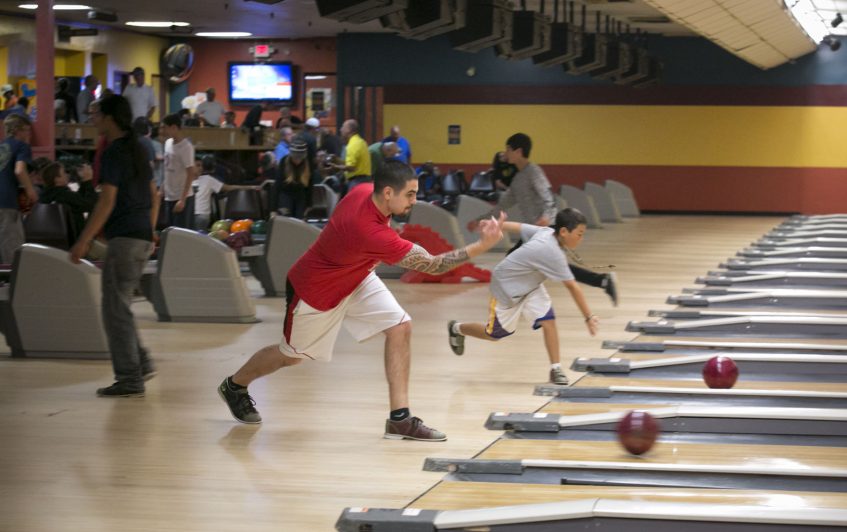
[(211, 112), (179, 157), (141, 99), (206, 185), (524, 269)]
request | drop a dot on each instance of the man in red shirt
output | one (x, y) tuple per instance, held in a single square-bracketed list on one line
[(334, 282)]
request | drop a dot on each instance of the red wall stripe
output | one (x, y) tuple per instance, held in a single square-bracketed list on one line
[(711, 188)]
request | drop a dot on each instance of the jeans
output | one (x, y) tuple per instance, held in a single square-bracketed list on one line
[(201, 221), (11, 234), (180, 219), (125, 261)]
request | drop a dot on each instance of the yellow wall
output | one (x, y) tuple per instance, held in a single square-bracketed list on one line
[(630, 135), (123, 50), (4, 65), (59, 63)]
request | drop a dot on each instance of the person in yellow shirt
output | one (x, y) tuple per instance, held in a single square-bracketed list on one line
[(357, 163)]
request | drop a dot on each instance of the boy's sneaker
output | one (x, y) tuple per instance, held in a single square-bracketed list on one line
[(411, 428), (148, 374), (557, 376), (240, 404), (610, 286), (122, 389), (457, 341)]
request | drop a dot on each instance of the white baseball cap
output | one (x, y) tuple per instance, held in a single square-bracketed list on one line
[(313, 122)]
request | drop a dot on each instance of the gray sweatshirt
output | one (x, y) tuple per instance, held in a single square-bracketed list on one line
[(531, 191)]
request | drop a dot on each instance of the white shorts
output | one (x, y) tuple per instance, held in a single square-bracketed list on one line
[(311, 333), (536, 307)]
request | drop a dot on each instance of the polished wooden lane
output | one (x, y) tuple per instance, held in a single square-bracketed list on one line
[(175, 460), (697, 383), (793, 458), (466, 495)]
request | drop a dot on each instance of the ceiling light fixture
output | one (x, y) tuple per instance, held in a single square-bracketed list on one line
[(224, 34), (58, 7), (155, 24)]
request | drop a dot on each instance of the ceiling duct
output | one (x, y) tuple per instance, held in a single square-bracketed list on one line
[(487, 23), (565, 40), (427, 18), (358, 11), (530, 36)]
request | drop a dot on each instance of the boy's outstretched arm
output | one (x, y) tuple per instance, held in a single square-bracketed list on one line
[(591, 320)]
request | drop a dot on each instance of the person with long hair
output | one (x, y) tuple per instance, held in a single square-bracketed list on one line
[(126, 212), (291, 188)]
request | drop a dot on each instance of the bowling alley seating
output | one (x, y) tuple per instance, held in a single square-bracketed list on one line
[(50, 225), (624, 198), (581, 201), (244, 203), (452, 184), (603, 202), (287, 239), (198, 279), (439, 220), (471, 208), (482, 186), (51, 307), (324, 200)]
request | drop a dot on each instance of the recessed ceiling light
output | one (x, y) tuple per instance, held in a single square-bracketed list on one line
[(223, 34), (58, 7), (155, 24), (315, 76)]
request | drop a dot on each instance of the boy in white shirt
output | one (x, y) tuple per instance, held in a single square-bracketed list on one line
[(207, 184), (517, 287)]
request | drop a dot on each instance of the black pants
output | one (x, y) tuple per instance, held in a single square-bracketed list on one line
[(582, 275)]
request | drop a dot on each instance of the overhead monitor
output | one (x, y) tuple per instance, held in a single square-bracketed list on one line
[(251, 83)]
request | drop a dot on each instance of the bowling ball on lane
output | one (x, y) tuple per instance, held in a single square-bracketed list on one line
[(638, 431), (720, 372), (259, 227), (240, 225), (221, 225), (238, 240)]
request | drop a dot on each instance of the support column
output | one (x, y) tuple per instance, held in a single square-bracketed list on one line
[(44, 130)]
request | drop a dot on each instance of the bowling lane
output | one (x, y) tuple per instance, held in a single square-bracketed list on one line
[(752, 366), (695, 344), (697, 383), (777, 458), (449, 495)]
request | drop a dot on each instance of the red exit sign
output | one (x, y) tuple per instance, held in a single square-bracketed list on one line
[(262, 50)]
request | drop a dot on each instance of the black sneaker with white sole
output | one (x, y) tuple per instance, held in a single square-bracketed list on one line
[(457, 341), (241, 405)]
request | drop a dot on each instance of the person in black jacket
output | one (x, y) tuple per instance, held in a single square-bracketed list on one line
[(56, 190)]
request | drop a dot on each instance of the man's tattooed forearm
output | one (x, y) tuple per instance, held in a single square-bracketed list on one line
[(420, 259)]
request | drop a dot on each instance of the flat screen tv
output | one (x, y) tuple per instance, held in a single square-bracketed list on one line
[(251, 83)]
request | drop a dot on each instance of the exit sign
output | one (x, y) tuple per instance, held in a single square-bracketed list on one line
[(262, 50)]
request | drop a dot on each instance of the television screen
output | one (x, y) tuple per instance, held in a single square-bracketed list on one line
[(251, 83)]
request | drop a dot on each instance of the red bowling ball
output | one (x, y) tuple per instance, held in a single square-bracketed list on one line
[(638, 431), (720, 372)]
